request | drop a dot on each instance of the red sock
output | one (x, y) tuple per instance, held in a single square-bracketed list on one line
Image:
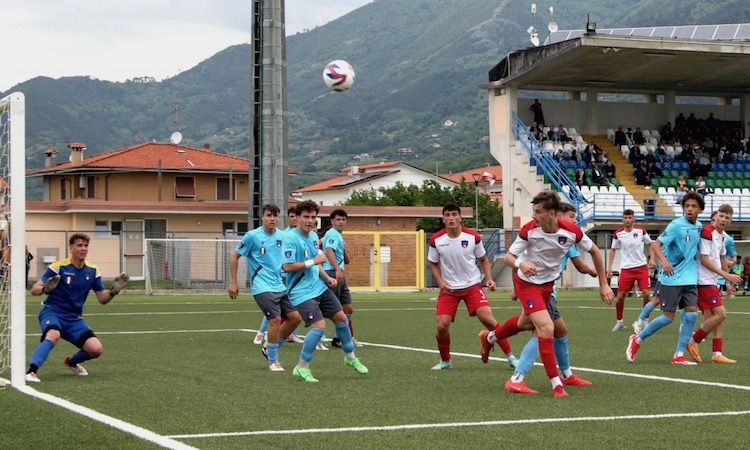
[(717, 345), (351, 327), (619, 308), (645, 302), (505, 346), (699, 335), (547, 352), (508, 329), (444, 346)]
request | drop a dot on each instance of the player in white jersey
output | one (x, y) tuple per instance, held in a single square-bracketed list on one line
[(546, 240), (453, 254), (630, 239), (711, 265)]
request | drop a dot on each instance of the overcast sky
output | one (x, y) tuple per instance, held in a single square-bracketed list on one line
[(120, 40)]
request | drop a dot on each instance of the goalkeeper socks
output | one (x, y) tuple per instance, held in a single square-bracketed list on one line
[(688, 323), (263, 325), (345, 337), (42, 353), (646, 311), (79, 357), (529, 354), (311, 341), (562, 353)]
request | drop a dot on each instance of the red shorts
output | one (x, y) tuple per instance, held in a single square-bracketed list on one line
[(474, 297), (533, 297), (628, 277), (709, 297)]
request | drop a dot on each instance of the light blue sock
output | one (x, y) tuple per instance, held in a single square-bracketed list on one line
[(311, 341), (263, 325), (646, 311), (42, 352), (562, 353), (529, 354), (295, 331), (682, 318), (273, 352), (654, 326), (345, 336), (688, 323)]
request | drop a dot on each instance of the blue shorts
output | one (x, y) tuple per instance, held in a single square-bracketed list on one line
[(72, 328)]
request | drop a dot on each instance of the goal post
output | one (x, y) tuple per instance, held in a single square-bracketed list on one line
[(12, 239)]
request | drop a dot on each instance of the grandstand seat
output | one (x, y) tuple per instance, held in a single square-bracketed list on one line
[(572, 131), (745, 192), (646, 134), (661, 190), (611, 134), (623, 190), (671, 190)]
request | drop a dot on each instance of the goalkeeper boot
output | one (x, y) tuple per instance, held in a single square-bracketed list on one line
[(356, 365), (77, 369), (32, 378), (304, 374)]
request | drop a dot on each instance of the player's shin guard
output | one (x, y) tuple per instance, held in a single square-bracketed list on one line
[(444, 346), (508, 329), (529, 354), (648, 308), (619, 309), (688, 323), (654, 326), (547, 352), (345, 336), (311, 341), (562, 353), (42, 353), (505, 346)]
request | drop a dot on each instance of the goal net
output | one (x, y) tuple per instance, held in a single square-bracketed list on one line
[(195, 266), (12, 237)]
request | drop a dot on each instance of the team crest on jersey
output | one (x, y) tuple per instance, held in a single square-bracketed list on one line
[(262, 250), (635, 235), (311, 315), (562, 240), (278, 243), (714, 299), (330, 241), (288, 254), (464, 244), (530, 303)]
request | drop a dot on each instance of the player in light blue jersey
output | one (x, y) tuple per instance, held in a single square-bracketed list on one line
[(307, 284), (676, 249), (67, 284), (262, 248), (530, 352), (333, 247)]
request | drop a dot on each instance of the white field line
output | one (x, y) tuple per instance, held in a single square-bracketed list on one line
[(460, 424), (163, 441)]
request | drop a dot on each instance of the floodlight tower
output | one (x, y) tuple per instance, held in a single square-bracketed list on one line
[(269, 130)]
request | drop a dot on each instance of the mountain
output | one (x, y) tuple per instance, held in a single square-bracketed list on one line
[(419, 63)]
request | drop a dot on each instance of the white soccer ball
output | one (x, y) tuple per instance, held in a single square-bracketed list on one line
[(338, 75)]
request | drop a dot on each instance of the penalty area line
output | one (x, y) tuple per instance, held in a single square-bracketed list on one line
[(461, 424), (142, 433)]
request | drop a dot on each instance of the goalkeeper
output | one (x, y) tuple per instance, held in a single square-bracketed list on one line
[(67, 284)]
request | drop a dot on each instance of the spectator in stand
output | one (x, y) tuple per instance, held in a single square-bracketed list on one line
[(581, 178), (638, 138), (700, 186), (620, 137), (629, 135), (536, 108), (704, 164), (667, 134), (650, 157), (654, 171), (610, 170), (537, 131), (586, 156), (563, 133), (598, 176), (682, 189), (642, 178), (694, 170), (679, 122), (661, 153), (575, 156)]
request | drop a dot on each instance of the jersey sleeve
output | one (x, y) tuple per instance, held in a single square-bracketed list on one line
[(518, 246), (585, 243), (646, 237), (615, 241), (705, 246), (667, 236), (731, 250)]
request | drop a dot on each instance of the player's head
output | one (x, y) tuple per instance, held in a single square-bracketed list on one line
[(692, 205), (545, 205), (78, 245), (338, 218), (452, 216), (291, 216), (270, 216), (307, 215), (722, 217), (628, 218), (567, 211)]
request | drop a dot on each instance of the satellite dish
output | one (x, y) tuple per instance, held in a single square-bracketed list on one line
[(552, 27), (535, 40), (176, 137)]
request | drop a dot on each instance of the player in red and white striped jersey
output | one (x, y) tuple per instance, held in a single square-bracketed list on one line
[(630, 239)]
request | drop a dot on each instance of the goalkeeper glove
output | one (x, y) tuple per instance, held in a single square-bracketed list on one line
[(118, 283), (50, 284)]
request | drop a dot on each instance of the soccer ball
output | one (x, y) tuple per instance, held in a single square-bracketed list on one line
[(338, 75)]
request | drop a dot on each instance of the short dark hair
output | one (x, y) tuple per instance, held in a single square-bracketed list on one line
[(307, 205), (628, 212), (692, 195), (272, 208), (566, 207), (78, 237), (338, 213), (549, 200), (451, 207), (291, 210)]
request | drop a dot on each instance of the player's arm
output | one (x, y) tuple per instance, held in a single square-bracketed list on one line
[(604, 290), (730, 277), (234, 262), (299, 266), (582, 267), (331, 256), (120, 281), (524, 266), (484, 264), (329, 281), (656, 250), (438, 276)]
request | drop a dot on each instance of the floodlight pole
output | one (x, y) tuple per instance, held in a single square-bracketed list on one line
[(476, 177)]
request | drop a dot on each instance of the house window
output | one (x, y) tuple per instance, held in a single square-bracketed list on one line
[(225, 191), (107, 228), (232, 229), (184, 187), (90, 187), (63, 184)]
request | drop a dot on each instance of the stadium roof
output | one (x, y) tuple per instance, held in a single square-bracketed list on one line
[(689, 60)]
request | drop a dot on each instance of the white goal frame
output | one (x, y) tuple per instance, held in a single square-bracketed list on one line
[(13, 217)]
